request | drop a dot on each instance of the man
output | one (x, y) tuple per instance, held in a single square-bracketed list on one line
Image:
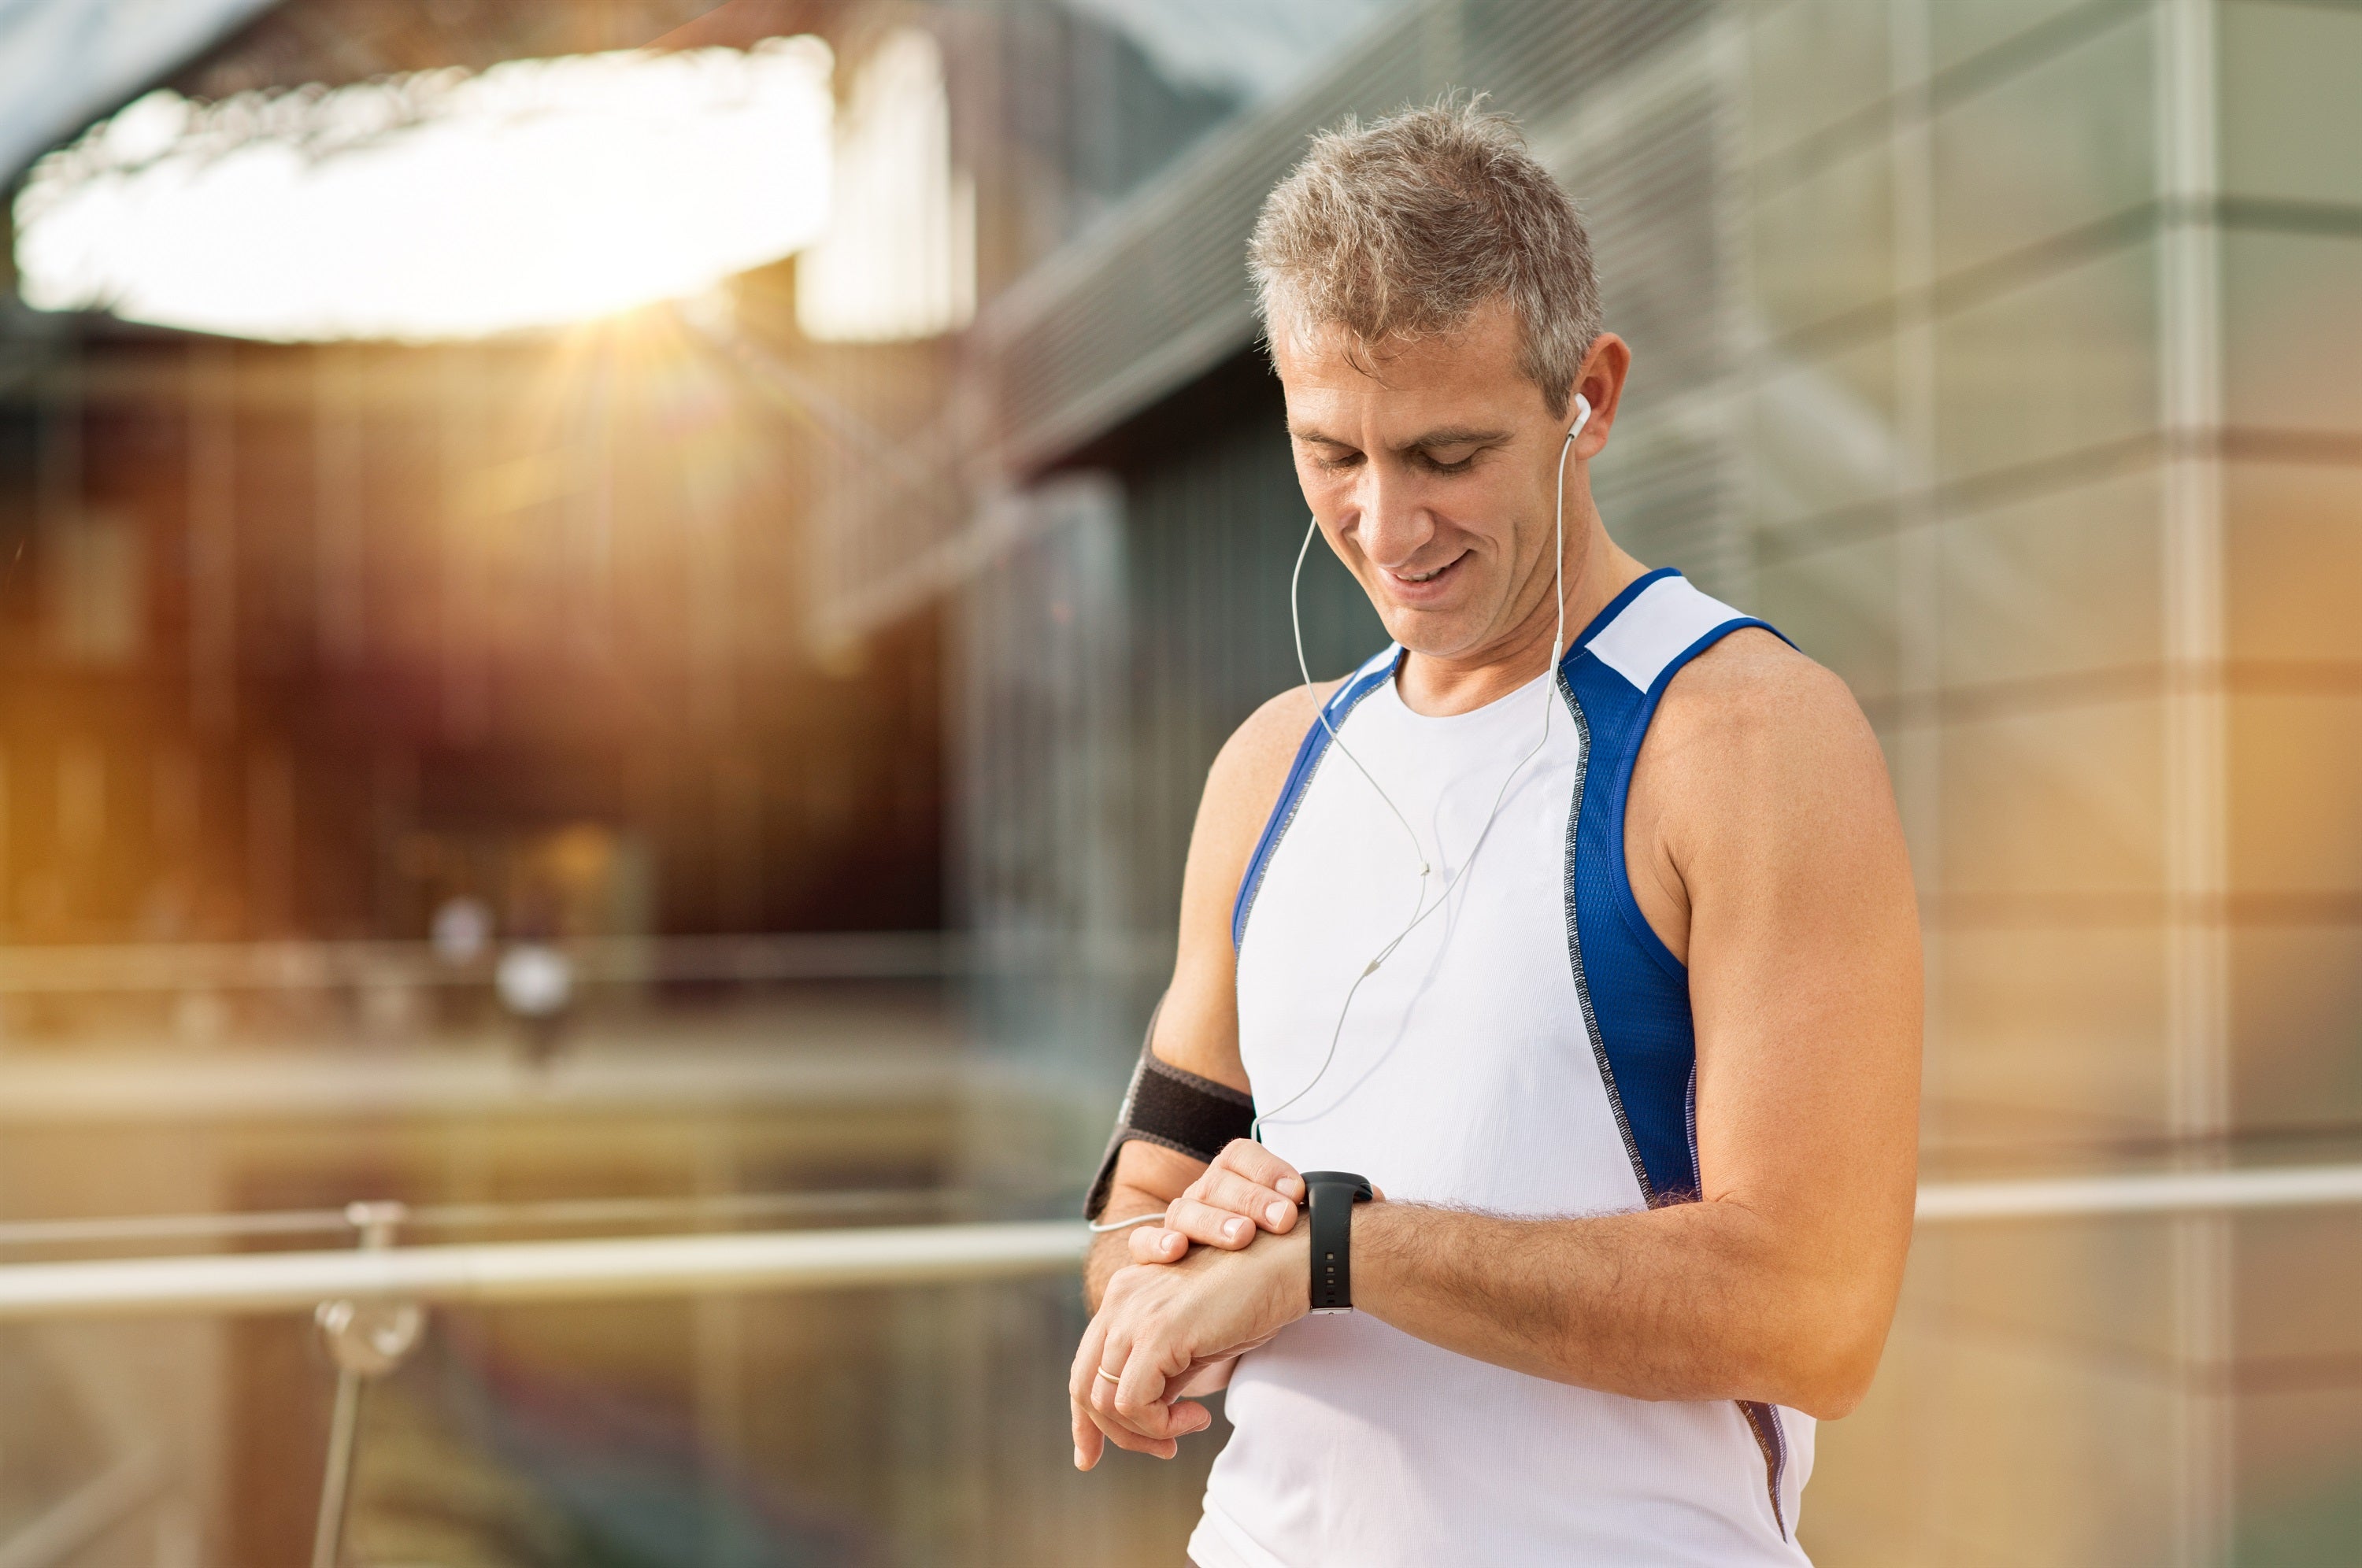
[(1585, 936)]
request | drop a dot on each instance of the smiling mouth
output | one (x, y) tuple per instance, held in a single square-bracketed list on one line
[(1427, 576)]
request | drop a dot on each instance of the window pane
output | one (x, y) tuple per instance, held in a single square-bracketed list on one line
[(2043, 1025), (2045, 1440), (2056, 801), (2296, 792), (1840, 604), (1822, 436), (1958, 31), (2296, 1275), (2292, 331), (1814, 62), (2066, 583), (2292, 102), (2295, 992), (1824, 244), (2292, 547), (2046, 151), (2057, 365)]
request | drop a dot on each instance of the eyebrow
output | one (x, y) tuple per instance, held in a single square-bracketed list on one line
[(1448, 435)]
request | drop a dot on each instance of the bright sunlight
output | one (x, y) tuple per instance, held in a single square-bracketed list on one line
[(438, 204)]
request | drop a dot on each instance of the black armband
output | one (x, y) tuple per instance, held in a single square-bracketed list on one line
[(1173, 1109)]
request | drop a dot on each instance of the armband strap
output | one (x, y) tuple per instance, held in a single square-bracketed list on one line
[(1173, 1109)]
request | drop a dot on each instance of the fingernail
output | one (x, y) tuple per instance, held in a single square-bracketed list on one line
[(1171, 1244), (1078, 1458), (1290, 1186), (1277, 1213), (1235, 1229)]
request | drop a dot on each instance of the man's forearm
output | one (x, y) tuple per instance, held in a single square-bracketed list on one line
[(1110, 1251), (1694, 1301)]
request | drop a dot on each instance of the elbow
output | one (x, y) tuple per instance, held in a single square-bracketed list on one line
[(1836, 1390), (1827, 1367)]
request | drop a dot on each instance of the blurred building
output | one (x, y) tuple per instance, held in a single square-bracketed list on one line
[(306, 639), (2001, 351), (2004, 355)]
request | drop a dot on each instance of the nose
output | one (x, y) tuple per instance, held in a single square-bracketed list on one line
[(1391, 525)]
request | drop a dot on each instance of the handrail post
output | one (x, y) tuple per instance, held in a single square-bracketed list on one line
[(366, 1340)]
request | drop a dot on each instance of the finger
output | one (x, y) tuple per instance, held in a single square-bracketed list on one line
[(1207, 1377), (1106, 1376), (1260, 1165), (1089, 1442), (1151, 1395), (1131, 1400), (1205, 1222), (1123, 1437), (1099, 1407), (1153, 1245), (1228, 1190), (1188, 1416), (1140, 1398), (1089, 1356), (1263, 1204)]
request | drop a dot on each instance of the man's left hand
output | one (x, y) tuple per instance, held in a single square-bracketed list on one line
[(1161, 1328)]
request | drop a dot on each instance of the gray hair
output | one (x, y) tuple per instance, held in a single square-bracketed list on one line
[(1401, 229)]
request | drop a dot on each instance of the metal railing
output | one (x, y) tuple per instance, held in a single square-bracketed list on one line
[(2159, 1192), (617, 1268), (605, 1269)]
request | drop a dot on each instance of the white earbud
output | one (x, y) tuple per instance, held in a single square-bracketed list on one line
[(1581, 415)]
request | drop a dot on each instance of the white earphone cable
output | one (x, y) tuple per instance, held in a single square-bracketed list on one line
[(1422, 909)]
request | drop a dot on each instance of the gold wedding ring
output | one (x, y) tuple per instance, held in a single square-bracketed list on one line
[(1110, 1376)]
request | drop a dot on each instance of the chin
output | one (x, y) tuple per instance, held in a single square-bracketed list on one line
[(1433, 633)]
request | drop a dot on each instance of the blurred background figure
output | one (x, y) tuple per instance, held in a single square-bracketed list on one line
[(535, 982), (460, 931), (768, 512)]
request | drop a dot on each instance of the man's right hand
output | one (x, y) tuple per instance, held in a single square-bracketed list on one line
[(1247, 1188)]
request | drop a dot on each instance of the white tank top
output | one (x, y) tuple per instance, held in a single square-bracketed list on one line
[(1526, 1051)]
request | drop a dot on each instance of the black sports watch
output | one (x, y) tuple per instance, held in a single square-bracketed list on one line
[(1330, 1196)]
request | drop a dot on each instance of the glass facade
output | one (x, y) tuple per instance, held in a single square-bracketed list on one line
[(2079, 361), (2003, 355)]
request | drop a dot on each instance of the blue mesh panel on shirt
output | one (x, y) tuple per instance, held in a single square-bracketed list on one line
[(1637, 993), (1640, 1007)]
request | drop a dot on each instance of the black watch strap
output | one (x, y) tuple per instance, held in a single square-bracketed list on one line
[(1330, 1196)]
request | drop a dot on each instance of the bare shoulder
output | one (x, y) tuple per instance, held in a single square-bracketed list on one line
[(1752, 695), (1753, 737), (1240, 788), (1760, 784), (1252, 764)]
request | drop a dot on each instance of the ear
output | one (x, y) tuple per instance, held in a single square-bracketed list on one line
[(1599, 385)]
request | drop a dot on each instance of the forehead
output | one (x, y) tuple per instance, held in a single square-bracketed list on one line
[(1449, 375)]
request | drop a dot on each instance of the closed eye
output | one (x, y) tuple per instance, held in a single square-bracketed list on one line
[(1439, 461)]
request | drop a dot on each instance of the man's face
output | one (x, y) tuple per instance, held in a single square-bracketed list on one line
[(1434, 478)]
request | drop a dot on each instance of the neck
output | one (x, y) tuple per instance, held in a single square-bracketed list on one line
[(1595, 570)]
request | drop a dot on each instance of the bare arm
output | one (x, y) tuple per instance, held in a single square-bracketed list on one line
[(1764, 846), (1197, 1028), (1766, 850)]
